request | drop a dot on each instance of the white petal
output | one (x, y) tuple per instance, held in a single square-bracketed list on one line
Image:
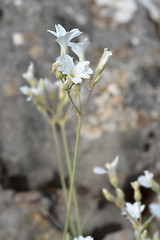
[(80, 67), (84, 75), (76, 80), (52, 32), (143, 181), (68, 63), (99, 170), (79, 48), (60, 30), (64, 40), (63, 70), (88, 70), (155, 209), (24, 90), (75, 32)]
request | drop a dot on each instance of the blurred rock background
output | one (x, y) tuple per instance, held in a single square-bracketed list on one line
[(123, 114)]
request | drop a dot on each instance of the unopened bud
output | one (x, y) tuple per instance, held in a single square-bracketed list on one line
[(59, 74), (108, 195), (155, 186), (137, 194), (54, 66), (104, 59), (67, 85), (113, 180), (120, 193)]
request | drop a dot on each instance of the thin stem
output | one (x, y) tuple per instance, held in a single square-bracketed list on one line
[(72, 178), (140, 214), (147, 222), (62, 179), (78, 112)]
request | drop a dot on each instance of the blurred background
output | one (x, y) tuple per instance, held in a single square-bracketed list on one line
[(123, 113)]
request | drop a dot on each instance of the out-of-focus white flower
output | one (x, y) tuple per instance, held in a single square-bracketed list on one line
[(80, 48), (76, 73), (146, 180), (30, 72), (83, 238), (26, 91), (104, 59), (64, 37), (155, 209), (33, 92), (99, 170), (134, 210), (111, 167)]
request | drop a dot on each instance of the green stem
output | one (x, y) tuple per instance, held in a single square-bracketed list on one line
[(62, 179), (78, 112), (72, 178), (145, 225)]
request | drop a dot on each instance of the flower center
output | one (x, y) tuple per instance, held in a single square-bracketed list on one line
[(72, 75)]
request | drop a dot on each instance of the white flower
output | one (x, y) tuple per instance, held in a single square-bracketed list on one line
[(111, 167), (76, 73), (99, 170), (155, 209), (64, 37), (104, 59), (79, 48), (30, 72), (146, 180), (83, 238), (134, 210), (33, 91), (25, 90)]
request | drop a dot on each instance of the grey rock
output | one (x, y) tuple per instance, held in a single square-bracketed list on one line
[(124, 124)]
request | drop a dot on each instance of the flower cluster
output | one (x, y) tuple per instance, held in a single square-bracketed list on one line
[(49, 97), (70, 72), (52, 99), (133, 211), (65, 67)]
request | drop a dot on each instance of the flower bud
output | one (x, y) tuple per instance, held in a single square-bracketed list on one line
[(155, 186), (108, 195), (54, 66), (59, 74), (104, 59), (120, 193), (137, 194), (113, 180)]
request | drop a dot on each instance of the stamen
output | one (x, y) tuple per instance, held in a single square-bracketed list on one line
[(72, 75)]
